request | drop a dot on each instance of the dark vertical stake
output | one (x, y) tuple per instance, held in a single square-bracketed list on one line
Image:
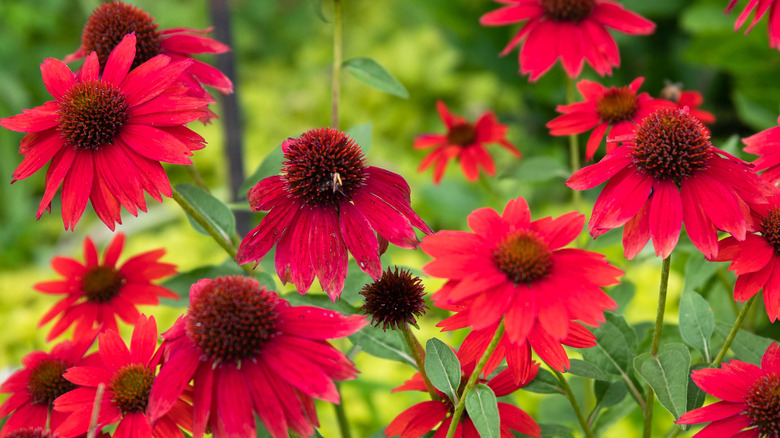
[(231, 113)]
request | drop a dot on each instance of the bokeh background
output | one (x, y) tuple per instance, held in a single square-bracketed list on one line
[(438, 50)]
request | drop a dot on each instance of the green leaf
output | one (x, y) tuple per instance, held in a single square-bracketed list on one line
[(270, 166), (544, 383), (317, 434), (696, 396), (443, 368), (753, 113), (615, 346), (697, 271), (181, 282), (316, 5), (667, 374), (374, 75), (747, 346), (622, 294), (482, 407), (586, 369), (385, 344), (537, 169), (361, 134), (609, 393), (215, 211), (697, 322), (554, 431), (320, 300)]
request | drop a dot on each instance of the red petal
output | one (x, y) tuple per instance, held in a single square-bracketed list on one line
[(57, 77)]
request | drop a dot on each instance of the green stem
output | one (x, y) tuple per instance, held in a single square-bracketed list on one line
[(341, 415), (659, 322), (419, 358), (724, 280), (215, 234), (197, 178), (473, 380), (734, 329), (574, 145), (573, 400), (337, 56)]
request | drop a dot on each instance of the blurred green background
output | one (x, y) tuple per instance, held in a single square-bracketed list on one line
[(438, 50)]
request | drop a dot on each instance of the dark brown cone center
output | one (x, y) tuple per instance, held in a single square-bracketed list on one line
[(617, 105), (397, 298), (523, 256), (232, 318), (131, 387), (46, 382), (31, 432), (671, 144), (101, 283), (763, 405), (108, 25), (568, 10), (770, 228), (323, 166), (91, 114), (462, 135)]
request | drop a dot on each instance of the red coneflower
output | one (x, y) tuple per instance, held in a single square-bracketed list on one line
[(759, 8), (110, 22), (325, 203), (396, 299), (613, 111), (750, 399), (665, 174), (766, 144), (690, 99), (35, 387), (128, 375), (248, 351), (513, 268), (464, 142), (426, 416), (756, 260), (572, 30), (106, 136), (98, 292)]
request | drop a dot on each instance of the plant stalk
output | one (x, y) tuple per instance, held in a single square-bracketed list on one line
[(337, 61), (419, 357), (659, 322), (734, 330), (573, 400)]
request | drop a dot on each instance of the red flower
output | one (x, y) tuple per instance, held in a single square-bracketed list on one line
[(513, 268), (424, 417), (247, 350), (766, 144), (612, 111), (665, 174), (690, 99), (128, 375), (98, 292), (756, 260), (464, 142), (572, 30), (750, 399), (34, 387), (759, 9), (110, 22), (105, 137), (325, 203)]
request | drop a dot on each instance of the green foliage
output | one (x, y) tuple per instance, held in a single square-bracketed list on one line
[(215, 211), (667, 373), (697, 322), (443, 368), (374, 75), (482, 407)]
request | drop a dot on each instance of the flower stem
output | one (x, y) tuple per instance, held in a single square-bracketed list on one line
[(218, 237), (574, 404), (734, 329), (197, 178), (337, 55), (574, 145), (341, 415), (473, 379), (419, 358), (659, 322), (93, 426)]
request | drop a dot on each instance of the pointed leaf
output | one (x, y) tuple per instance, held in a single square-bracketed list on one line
[(482, 407), (537, 169), (587, 369), (667, 374), (385, 344), (443, 368), (746, 346), (697, 322), (374, 75), (215, 211), (316, 5), (698, 270), (609, 393), (615, 347), (544, 383)]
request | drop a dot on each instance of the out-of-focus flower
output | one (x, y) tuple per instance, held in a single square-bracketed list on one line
[(766, 144), (690, 99), (759, 8)]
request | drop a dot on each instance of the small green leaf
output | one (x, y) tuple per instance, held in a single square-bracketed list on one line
[(697, 322), (698, 270), (544, 383), (537, 169), (317, 434), (385, 344), (747, 346), (181, 282), (622, 294), (270, 166), (316, 5), (667, 374), (609, 393), (482, 407), (695, 395), (443, 368), (361, 134), (615, 346), (374, 75), (215, 211), (587, 369)]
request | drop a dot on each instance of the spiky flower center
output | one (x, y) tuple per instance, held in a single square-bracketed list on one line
[(31, 432), (323, 166), (397, 298), (110, 22), (46, 382), (568, 10), (232, 318), (523, 256), (671, 144), (770, 228), (617, 105), (91, 114), (101, 283), (763, 405), (462, 135), (131, 386)]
